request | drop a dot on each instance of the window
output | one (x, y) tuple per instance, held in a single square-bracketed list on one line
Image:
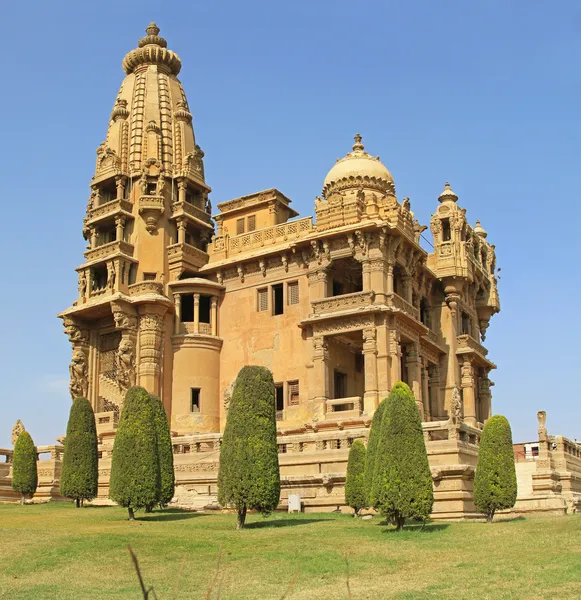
[(251, 223), (466, 323), (279, 397), (149, 276), (195, 399), (277, 299), (446, 232), (340, 385), (151, 188), (337, 288), (204, 309), (293, 392), (132, 277), (293, 292), (263, 299), (187, 308), (239, 226)]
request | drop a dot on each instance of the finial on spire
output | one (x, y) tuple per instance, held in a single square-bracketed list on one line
[(479, 230), (152, 29), (358, 145), (447, 194)]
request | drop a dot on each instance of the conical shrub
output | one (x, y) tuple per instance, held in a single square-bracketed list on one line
[(164, 451), (371, 454), (24, 473), (355, 495)]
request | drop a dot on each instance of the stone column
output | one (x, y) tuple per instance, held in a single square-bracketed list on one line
[(437, 409), (378, 282), (321, 370), (178, 313), (366, 275), (414, 373), (150, 334), (485, 397), (181, 231), (317, 284), (426, 392), (120, 184), (394, 356), (468, 392), (119, 227), (182, 188), (93, 231), (214, 315), (196, 313), (370, 366), (406, 283), (390, 279)]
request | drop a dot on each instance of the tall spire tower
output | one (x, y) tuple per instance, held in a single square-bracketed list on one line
[(148, 220)]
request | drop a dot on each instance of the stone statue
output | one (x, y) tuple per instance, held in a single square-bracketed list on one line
[(143, 184), (78, 371), (456, 406), (82, 285), (406, 204), (160, 185), (125, 360), (110, 275), (16, 431)]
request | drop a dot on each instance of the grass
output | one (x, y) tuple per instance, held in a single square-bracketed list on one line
[(56, 551)]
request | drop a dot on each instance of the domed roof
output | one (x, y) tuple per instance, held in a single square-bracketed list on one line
[(358, 166), (152, 51), (447, 194), (479, 230)]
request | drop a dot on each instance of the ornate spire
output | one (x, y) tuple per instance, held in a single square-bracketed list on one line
[(358, 145), (152, 50), (479, 230), (447, 194)]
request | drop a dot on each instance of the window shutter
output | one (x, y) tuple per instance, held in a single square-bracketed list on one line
[(293, 393), (293, 292), (263, 299), (251, 222), (239, 226)]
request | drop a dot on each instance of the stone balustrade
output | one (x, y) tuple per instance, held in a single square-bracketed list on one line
[(466, 342), (108, 250), (345, 302), (145, 287), (181, 208), (438, 431), (432, 336), (108, 210), (187, 253), (397, 302), (292, 230)]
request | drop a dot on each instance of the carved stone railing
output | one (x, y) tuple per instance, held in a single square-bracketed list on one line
[(179, 208), (187, 253), (439, 431), (109, 209), (7, 454), (404, 306), (341, 405), (108, 250), (145, 287), (432, 336), (344, 302), (203, 328), (268, 236), (466, 342)]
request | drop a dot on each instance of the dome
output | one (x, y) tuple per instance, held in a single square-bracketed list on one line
[(447, 194), (358, 169), (479, 230)]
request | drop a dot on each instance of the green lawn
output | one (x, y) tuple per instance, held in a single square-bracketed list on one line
[(59, 552)]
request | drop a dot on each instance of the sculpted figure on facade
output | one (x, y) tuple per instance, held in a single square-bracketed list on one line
[(17, 430), (125, 362), (456, 406), (78, 372), (74, 331)]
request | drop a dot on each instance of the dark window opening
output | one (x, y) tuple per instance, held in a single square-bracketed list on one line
[(204, 309), (195, 399), (466, 323), (187, 275), (340, 385), (424, 312), (107, 193), (446, 231), (151, 188), (279, 396), (132, 274), (187, 308), (404, 364), (99, 276), (359, 362), (337, 288), (277, 299), (149, 276), (346, 276)]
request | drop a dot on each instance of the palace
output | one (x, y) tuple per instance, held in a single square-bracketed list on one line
[(338, 307)]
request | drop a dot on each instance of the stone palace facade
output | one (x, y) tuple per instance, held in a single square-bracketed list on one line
[(339, 307)]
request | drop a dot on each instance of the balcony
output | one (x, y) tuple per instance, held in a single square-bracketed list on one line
[(203, 328), (110, 250), (343, 303), (109, 210), (190, 256), (145, 287), (466, 344), (180, 209), (262, 238), (401, 305)]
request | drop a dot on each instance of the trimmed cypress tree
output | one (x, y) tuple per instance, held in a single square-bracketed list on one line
[(372, 442), (24, 474), (164, 452), (249, 476), (402, 485), (495, 485), (135, 477), (80, 470), (355, 495)]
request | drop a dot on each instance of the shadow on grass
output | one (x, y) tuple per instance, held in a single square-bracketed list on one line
[(282, 523), (499, 519), (170, 514), (416, 527)]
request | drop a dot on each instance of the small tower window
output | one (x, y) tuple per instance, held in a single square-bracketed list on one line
[(204, 309), (293, 292), (279, 396), (277, 299), (251, 223), (239, 226), (262, 299), (466, 323), (446, 231), (195, 399)]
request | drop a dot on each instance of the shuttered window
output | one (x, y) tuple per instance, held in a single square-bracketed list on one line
[(263, 299), (239, 226), (293, 292), (251, 223), (293, 392)]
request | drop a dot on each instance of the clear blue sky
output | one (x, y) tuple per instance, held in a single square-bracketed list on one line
[(483, 94)]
